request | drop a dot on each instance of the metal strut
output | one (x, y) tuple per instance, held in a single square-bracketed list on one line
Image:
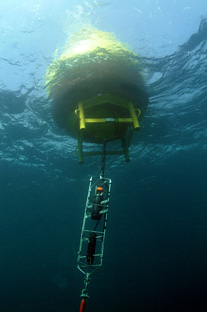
[(91, 248)]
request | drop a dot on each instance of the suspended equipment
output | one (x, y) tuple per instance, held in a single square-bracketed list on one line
[(91, 248), (98, 96)]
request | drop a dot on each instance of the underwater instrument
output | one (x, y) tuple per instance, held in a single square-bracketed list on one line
[(91, 248), (98, 96)]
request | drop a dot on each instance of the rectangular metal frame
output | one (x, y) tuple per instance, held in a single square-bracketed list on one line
[(88, 227)]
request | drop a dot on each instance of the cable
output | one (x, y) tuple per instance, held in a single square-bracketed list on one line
[(103, 159)]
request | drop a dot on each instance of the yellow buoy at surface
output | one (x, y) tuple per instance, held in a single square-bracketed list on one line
[(97, 87)]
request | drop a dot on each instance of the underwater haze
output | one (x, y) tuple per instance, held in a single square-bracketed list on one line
[(155, 256)]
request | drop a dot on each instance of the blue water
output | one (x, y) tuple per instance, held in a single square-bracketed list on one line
[(155, 255)]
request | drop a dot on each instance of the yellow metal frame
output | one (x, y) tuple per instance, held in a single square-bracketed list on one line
[(107, 98), (115, 100)]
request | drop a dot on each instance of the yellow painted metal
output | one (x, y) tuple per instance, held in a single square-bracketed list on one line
[(138, 112), (105, 98), (109, 99), (134, 116), (81, 116), (97, 153), (80, 149), (97, 120)]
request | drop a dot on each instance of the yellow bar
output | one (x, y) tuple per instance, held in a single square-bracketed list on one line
[(81, 116), (90, 120), (80, 149), (97, 153), (133, 115), (107, 97)]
